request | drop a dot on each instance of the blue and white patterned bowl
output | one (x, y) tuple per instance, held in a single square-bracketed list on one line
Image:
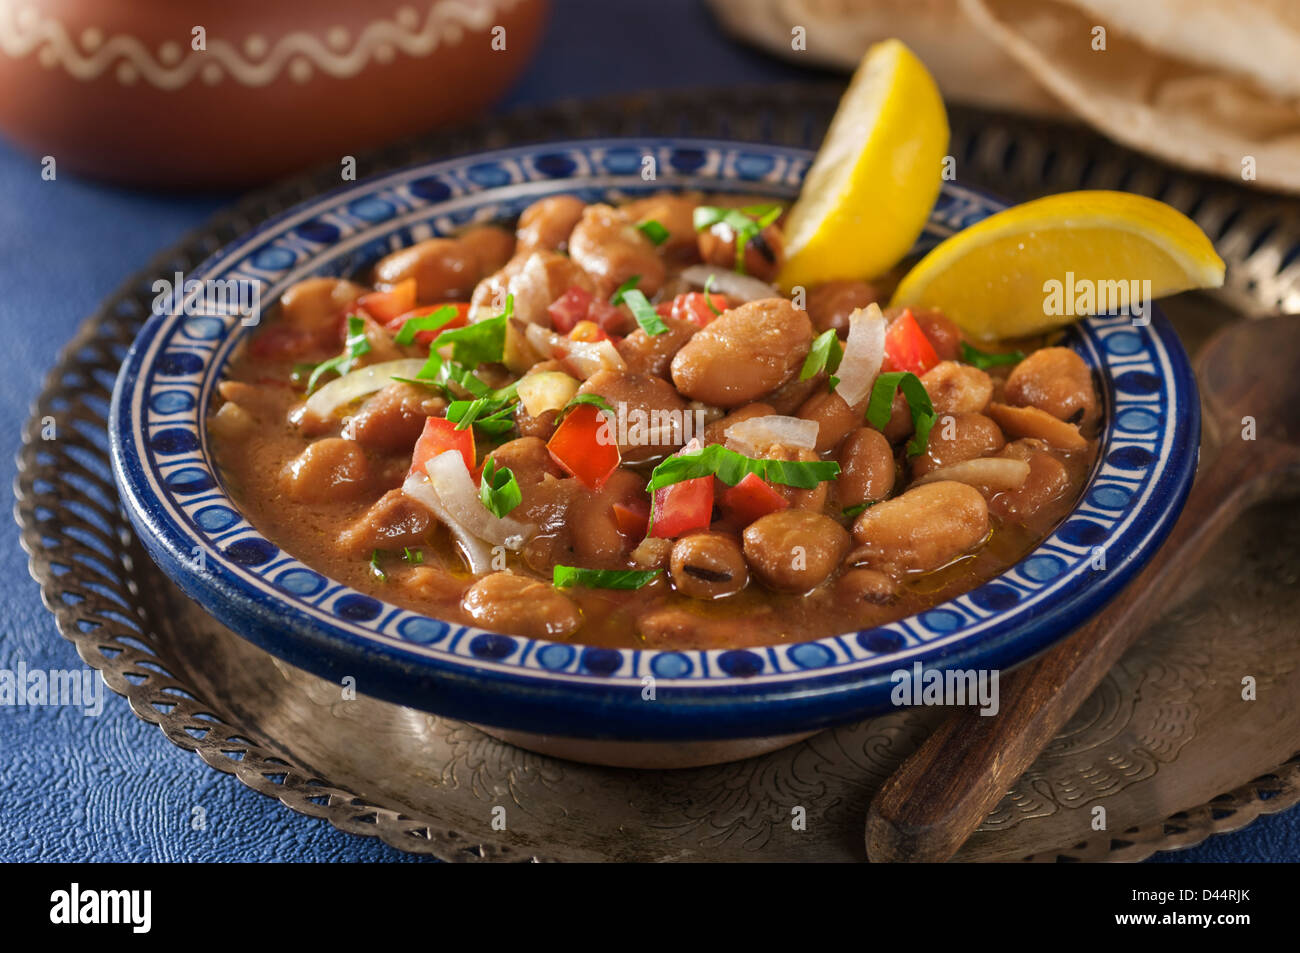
[(173, 493)]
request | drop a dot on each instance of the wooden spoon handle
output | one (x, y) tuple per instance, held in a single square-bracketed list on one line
[(938, 796)]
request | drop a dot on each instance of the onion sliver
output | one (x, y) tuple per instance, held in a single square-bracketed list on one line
[(456, 489), (477, 553), (864, 352), (996, 473), (730, 283), (364, 380), (758, 433), (585, 358)]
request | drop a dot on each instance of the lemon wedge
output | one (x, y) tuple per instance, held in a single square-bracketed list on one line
[(1041, 265), (871, 187)]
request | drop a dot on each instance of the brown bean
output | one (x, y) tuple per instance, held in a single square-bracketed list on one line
[(835, 419), (547, 223), (924, 529), (393, 419), (708, 566), (594, 530), (1033, 422), (716, 432), (747, 353), (900, 426), (957, 388), (327, 471), (654, 353), (527, 458), (491, 245), (529, 426), (794, 550), (810, 498), (1047, 482), (867, 468), (317, 304), (521, 605), (944, 336), (830, 304), (608, 247), (1055, 380), (443, 269), (651, 414), (866, 586), (957, 437), (534, 280), (394, 521), (764, 252), (676, 213)]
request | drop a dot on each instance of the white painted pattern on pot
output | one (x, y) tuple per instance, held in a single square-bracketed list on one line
[(256, 61)]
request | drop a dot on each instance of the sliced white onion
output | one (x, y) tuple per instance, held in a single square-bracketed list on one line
[(759, 433), (730, 283), (996, 473), (585, 358), (365, 380), (864, 352), (477, 553), (456, 489)]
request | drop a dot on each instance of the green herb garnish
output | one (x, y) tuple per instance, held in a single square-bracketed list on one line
[(745, 222), (413, 556), (580, 399), (492, 415), (985, 359), (853, 512), (645, 315), (425, 322), (654, 231), (708, 295), (374, 565), (563, 576), (881, 406), (731, 467), (826, 353), (499, 490), (354, 347), (623, 289)]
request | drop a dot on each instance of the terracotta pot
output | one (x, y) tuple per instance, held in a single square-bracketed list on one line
[(119, 89)]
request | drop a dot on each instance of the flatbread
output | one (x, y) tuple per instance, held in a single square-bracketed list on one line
[(1183, 106), (968, 66)]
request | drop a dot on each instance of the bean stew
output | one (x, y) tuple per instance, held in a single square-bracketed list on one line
[(606, 425)]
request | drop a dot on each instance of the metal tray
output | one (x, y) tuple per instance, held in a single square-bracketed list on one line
[(1166, 744)]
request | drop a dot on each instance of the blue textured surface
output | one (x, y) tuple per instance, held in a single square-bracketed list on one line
[(112, 788)]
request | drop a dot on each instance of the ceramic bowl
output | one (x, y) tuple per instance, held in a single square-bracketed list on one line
[(596, 703)]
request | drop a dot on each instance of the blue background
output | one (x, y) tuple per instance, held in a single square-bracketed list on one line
[(112, 788)]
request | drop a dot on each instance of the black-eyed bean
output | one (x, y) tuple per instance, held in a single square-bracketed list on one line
[(1055, 380), (957, 437), (708, 566), (830, 304), (867, 468), (608, 247)]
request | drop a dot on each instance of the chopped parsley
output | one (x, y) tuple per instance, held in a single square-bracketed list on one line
[(413, 556), (492, 415), (623, 289), (499, 490), (564, 576), (374, 566), (580, 399), (825, 354), (731, 467), (708, 295), (984, 359), (654, 231), (354, 347), (645, 315), (425, 322), (745, 222), (881, 405)]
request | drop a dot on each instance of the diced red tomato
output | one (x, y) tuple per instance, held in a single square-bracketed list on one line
[(384, 306), (577, 446), (682, 507), (428, 337), (441, 435), (751, 498), (693, 306), (612, 319), (569, 308), (587, 331), (906, 346), (632, 519)]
